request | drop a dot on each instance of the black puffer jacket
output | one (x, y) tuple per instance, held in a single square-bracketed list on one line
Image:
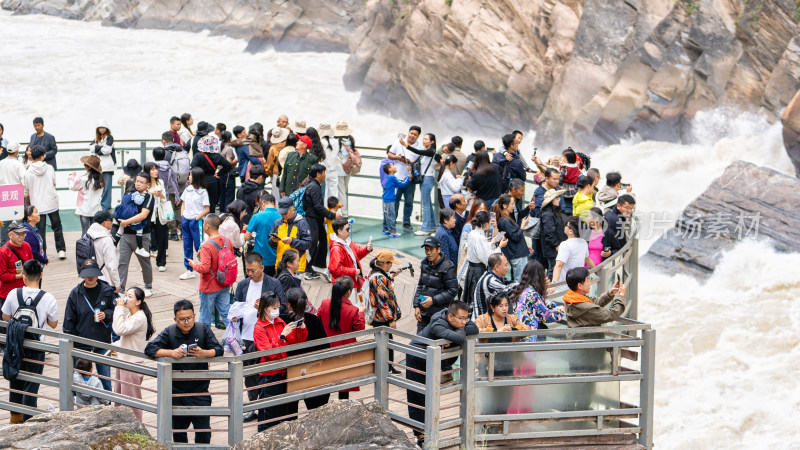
[(79, 316), (552, 231), (437, 281)]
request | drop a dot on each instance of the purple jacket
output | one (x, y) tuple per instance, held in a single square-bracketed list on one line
[(35, 241)]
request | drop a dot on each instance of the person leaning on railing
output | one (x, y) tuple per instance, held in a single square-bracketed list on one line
[(173, 342), (583, 311), (89, 313), (452, 324), (133, 323), (46, 314), (339, 316), (272, 332), (297, 303)]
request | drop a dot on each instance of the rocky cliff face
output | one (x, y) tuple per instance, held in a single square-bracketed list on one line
[(746, 202), (582, 73), (286, 25)]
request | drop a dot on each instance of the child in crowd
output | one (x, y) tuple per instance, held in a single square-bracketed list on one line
[(389, 197), (333, 206), (127, 209), (79, 376), (194, 206)]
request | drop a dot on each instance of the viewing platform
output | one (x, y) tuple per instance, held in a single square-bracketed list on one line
[(572, 387)]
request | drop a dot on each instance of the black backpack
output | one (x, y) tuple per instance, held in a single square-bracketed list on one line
[(84, 249)]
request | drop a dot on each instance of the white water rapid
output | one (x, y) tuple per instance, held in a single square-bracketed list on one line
[(728, 349)]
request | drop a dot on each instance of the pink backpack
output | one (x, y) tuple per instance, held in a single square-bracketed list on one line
[(227, 266)]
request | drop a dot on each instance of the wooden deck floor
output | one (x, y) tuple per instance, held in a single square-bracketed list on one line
[(60, 277)]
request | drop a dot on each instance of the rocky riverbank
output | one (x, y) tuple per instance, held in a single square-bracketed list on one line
[(582, 73), (298, 25), (746, 202)]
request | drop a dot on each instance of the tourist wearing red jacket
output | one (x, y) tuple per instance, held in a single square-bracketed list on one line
[(339, 316), (346, 255), (10, 263), (272, 332)]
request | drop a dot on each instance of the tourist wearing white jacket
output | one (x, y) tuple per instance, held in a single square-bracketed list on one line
[(40, 189), (89, 186), (103, 148), (104, 249)]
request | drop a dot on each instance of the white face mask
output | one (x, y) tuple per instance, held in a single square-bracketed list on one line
[(274, 313)]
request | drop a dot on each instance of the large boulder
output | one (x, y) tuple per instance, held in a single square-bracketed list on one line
[(345, 424), (77, 430), (746, 202)]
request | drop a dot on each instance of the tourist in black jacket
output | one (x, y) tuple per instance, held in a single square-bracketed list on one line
[(552, 228), (452, 324), (438, 284), (169, 343), (249, 190), (214, 165), (617, 217), (89, 312), (316, 213)]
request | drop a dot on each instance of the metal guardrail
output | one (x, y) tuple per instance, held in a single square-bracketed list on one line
[(626, 340)]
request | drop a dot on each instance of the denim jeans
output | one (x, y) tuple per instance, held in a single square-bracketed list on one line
[(105, 200), (191, 239), (408, 195), (428, 221), (221, 299), (517, 265), (389, 217)]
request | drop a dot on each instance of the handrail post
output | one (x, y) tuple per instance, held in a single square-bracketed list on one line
[(633, 287), (142, 152), (646, 387), (382, 367), (235, 403), (468, 393), (602, 284), (65, 370), (164, 402), (433, 383)]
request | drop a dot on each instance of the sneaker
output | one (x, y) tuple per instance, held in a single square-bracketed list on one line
[(407, 226), (174, 237), (153, 253), (142, 252), (395, 235), (162, 269), (386, 233), (148, 293), (249, 417), (62, 254), (186, 275), (422, 233), (327, 276), (312, 276)]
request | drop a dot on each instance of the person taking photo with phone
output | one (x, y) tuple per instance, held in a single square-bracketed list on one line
[(187, 338)]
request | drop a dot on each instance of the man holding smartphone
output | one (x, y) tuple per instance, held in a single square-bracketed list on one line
[(181, 339)]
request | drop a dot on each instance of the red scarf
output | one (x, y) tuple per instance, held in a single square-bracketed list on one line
[(574, 297)]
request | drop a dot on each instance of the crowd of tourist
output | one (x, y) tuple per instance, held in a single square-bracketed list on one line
[(488, 264)]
